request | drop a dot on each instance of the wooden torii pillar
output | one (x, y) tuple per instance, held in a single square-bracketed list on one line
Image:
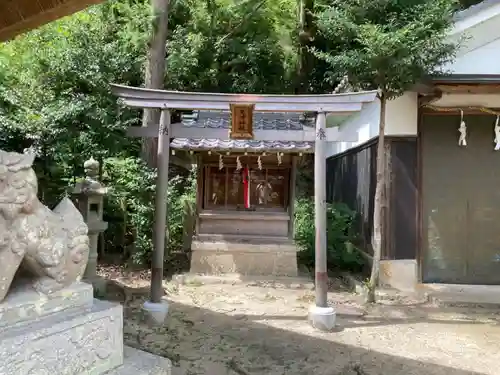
[(321, 315)]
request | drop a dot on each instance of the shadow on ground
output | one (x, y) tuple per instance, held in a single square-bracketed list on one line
[(197, 339), (346, 320)]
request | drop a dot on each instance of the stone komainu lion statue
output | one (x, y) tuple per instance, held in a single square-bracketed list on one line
[(52, 246)]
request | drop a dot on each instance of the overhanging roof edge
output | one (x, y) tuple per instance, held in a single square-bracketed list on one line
[(466, 79)]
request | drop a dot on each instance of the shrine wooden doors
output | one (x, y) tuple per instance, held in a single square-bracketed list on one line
[(460, 201)]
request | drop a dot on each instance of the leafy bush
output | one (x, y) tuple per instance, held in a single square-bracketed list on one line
[(341, 252), (130, 207)]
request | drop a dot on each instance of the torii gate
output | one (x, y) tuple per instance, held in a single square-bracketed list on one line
[(321, 315)]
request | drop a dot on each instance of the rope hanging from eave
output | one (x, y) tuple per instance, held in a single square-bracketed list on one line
[(458, 109)]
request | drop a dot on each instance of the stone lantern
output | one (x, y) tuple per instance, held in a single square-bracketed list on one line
[(88, 195)]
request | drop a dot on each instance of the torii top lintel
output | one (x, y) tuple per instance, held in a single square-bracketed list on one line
[(328, 103)]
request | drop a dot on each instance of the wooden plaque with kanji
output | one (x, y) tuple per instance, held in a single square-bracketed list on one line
[(241, 121)]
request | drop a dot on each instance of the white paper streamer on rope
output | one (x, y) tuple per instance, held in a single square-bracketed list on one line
[(497, 134), (462, 140), (279, 158), (238, 163), (221, 162), (259, 163)]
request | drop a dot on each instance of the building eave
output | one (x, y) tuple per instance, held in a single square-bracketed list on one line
[(17, 17), (475, 15), (475, 27), (471, 79), (474, 10)]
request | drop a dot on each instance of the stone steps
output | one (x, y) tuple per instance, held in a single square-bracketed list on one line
[(242, 238)]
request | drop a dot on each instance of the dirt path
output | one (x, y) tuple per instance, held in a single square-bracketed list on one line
[(242, 330)]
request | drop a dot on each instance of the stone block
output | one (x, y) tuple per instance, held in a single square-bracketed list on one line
[(24, 305), (245, 259), (137, 362), (65, 343), (399, 274)]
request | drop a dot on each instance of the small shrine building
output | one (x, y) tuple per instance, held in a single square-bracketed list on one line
[(245, 196), (247, 148)]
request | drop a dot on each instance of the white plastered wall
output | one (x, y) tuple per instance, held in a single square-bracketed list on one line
[(479, 50), (401, 120), (481, 60)]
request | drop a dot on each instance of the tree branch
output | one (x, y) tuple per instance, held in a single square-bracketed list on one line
[(241, 23)]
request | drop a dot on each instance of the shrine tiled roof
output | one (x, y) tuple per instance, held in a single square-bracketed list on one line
[(241, 145), (261, 121)]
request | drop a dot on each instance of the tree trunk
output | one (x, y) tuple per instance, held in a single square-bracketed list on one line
[(380, 204), (306, 36), (155, 72)]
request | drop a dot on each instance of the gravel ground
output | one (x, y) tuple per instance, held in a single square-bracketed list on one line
[(245, 329)]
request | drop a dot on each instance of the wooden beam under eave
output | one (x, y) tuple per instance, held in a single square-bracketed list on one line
[(424, 89), (469, 88), (183, 161), (467, 101), (58, 10), (426, 111)]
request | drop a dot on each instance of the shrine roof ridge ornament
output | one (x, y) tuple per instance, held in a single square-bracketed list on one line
[(151, 98)]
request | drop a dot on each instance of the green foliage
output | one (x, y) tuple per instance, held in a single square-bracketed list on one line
[(231, 46), (130, 207), (341, 252), (181, 203), (55, 97), (59, 100), (385, 44)]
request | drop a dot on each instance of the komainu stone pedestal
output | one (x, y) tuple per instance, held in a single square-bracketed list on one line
[(67, 333)]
